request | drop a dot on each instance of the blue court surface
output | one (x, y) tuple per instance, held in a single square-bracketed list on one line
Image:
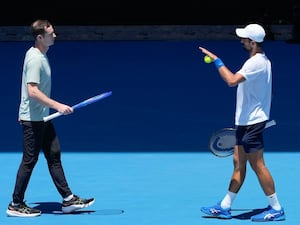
[(149, 188)]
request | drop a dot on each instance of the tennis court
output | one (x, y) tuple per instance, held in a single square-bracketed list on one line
[(149, 188), (142, 152)]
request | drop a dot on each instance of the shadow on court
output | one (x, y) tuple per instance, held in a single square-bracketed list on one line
[(243, 216), (55, 208), (247, 215)]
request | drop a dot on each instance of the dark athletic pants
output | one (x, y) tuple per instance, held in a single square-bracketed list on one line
[(36, 136)]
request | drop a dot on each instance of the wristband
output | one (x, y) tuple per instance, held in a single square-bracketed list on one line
[(218, 63)]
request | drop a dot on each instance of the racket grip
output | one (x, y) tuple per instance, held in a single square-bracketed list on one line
[(52, 116), (270, 123)]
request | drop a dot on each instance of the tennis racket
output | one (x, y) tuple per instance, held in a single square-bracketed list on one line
[(80, 105), (222, 142)]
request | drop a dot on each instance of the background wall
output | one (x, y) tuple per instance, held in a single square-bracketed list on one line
[(155, 12), (164, 97)]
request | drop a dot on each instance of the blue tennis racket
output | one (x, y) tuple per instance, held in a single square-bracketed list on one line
[(222, 142), (80, 105)]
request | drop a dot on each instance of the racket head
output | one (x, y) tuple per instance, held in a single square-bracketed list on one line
[(222, 142)]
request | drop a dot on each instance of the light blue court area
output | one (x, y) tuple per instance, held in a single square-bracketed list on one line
[(148, 188)]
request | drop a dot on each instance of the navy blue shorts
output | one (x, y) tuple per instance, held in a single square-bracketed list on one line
[(251, 136)]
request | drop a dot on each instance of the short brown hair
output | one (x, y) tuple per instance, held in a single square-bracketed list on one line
[(38, 27)]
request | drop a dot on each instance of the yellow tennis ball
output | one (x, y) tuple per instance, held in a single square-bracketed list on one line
[(207, 59)]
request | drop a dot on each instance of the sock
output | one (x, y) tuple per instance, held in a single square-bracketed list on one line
[(69, 198), (228, 199), (273, 201)]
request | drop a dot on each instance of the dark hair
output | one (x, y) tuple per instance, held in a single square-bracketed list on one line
[(38, 27)]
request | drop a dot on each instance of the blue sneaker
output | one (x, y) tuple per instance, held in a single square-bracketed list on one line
[(269, 214), (217, 211)]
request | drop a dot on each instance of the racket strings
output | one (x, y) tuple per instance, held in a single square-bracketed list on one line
[(225, 142), (222, 143)]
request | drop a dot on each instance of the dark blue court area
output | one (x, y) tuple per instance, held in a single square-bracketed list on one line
[(142, 152)]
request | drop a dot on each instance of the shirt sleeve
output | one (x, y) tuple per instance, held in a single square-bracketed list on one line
[(33, 70), (252, 68)]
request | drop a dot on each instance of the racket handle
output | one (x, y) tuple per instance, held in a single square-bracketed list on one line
[(52, 116), (270, 123)]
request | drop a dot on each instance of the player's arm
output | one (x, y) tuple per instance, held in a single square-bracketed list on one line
[(230, 78), (35, 93)]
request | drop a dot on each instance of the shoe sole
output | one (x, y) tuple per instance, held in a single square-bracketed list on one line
[(215, 215), (74, 208), (18, 214)]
